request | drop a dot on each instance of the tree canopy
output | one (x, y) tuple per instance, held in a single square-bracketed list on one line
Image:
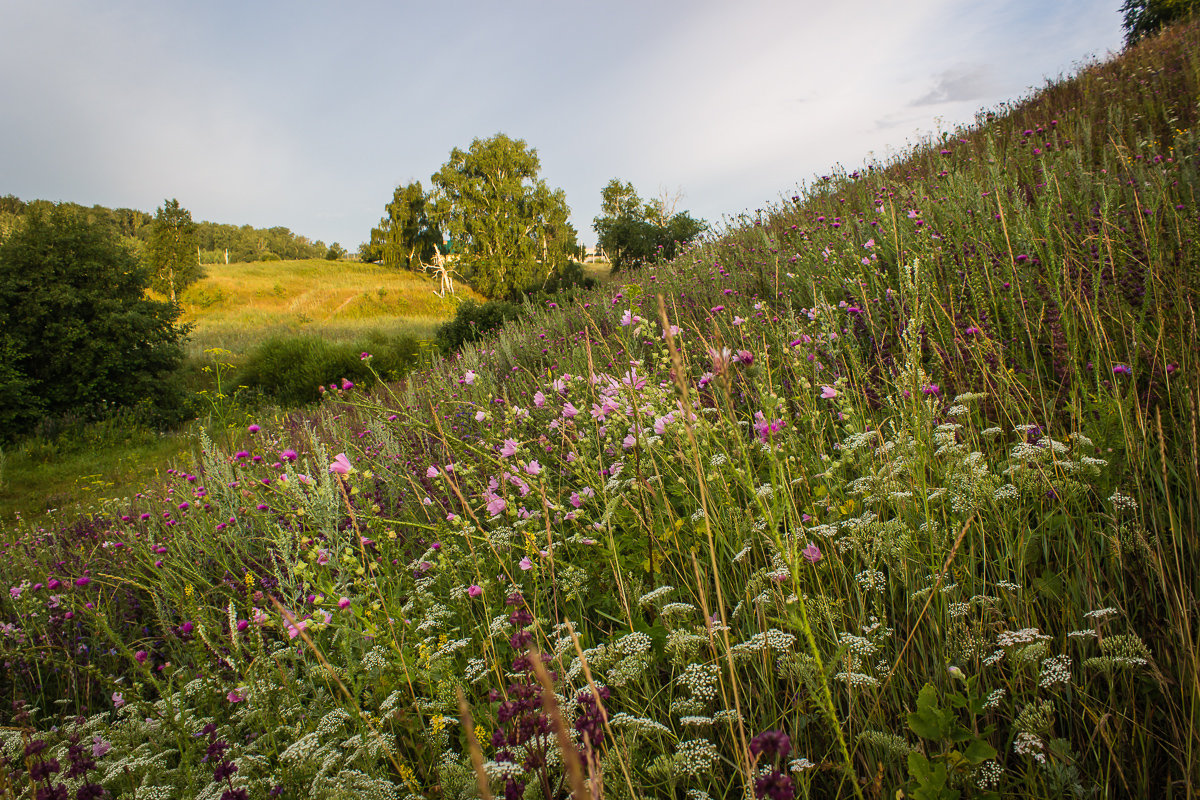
[(508, 230), (633, 233), (174, 252), (78, 335), (1145, 17), (406, 237)]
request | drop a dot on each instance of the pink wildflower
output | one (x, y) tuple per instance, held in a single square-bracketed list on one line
[(340, 465)]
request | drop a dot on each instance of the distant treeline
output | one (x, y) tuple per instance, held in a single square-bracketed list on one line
[(243, 243)]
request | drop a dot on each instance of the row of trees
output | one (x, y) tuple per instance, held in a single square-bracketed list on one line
[(507, 232), (215, 240)]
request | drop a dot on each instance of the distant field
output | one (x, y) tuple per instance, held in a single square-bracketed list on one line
[(238, 305)]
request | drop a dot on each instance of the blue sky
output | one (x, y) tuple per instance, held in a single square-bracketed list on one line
[(308, 114)]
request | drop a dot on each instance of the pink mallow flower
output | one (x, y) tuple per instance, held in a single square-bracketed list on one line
[(474, 590), (828, 392), (340, 465), (812, 553)]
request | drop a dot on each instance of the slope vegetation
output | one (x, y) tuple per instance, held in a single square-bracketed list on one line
[(890, 489)]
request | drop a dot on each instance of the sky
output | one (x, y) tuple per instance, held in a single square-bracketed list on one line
[(308, 114)]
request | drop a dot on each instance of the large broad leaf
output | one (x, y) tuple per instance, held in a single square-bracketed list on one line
[(930, 721), (930, 779)]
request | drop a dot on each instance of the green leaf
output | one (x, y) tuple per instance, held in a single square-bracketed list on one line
[(930, 779), (979, 751), (930, 721)]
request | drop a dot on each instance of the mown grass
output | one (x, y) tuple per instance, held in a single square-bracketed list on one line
[(889, 490)]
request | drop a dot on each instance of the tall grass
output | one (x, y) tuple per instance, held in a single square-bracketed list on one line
[(892, 489)]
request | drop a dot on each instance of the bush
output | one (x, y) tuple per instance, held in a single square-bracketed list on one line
[(569, 277), (473, 321), (79, 336), (290, 370)]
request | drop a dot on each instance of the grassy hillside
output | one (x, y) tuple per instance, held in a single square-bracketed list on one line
[(235, 308), (237, 305), (890, 490)]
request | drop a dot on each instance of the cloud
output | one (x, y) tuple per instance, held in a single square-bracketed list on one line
[(959, 84)]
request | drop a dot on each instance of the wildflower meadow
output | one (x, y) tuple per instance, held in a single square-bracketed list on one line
[(892, 488)]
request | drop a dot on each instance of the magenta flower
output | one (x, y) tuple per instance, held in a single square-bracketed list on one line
[(234, 697), (340, 465), (141, 656), (346, 385), (288, 455), (254, 429), (322, 557), (474, 590), (496, 504), (469, 378), (118, 699), (812, 553), (533, 468), (539, 399), (432, 472), (569, 410), (828, 392), (344, 603), (509, 448), (526, 564)]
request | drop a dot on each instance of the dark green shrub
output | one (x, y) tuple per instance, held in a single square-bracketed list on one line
[(569, 277), (473, 321), (290, 370), (77, 333)]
